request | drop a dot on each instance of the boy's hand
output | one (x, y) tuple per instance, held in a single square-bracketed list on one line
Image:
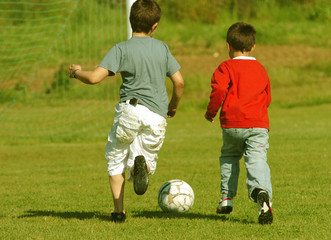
[(72, 68), (171, 113), (209, 119)]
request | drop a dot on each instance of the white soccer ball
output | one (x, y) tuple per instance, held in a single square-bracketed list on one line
[(176, 196)]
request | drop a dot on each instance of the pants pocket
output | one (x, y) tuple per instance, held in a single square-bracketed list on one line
[(127, 128), (153, 143)]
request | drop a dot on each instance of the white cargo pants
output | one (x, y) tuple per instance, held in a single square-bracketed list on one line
[(135, 131)]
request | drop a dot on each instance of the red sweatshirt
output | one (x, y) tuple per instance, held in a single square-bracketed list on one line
[(240, 86)]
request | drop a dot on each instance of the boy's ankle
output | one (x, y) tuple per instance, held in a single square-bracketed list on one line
[(256, 192), (225, 195)]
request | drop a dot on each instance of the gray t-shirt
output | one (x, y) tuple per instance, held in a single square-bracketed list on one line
[(144, 64)]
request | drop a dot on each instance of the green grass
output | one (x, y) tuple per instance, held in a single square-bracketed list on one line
[(53, 176), (60, 190)]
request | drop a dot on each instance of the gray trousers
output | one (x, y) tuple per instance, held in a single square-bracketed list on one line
[(252, 143)]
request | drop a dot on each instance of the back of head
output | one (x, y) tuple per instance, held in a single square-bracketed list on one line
[(144, 14), (241, 36)]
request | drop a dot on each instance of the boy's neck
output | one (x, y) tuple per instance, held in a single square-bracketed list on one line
[(234, 54), (140, 34), (149, 34)]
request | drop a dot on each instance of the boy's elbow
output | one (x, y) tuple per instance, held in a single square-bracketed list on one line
[(98, 75), (180, 84), (94, 80)]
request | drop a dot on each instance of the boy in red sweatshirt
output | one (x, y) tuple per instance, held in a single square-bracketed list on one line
[(241, 88)]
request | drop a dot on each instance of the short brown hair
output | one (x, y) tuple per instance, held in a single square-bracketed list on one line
[(143, 15), (241, 36)]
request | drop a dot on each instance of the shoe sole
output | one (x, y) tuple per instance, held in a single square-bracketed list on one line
[(264, 217), (118, 217), (140, 175), (224, 210)]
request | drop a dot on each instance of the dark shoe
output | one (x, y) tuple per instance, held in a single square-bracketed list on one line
[(140, 175), (118, 217), (265, 211)]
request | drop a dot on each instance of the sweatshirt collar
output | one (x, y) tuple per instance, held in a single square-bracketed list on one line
[(245, 58)]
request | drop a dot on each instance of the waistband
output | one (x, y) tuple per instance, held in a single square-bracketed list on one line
[(132, 101)]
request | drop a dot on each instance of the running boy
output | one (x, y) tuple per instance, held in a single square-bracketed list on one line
[(241, 88), (138, 129)]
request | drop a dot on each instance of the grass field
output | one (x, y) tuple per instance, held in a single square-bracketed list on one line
[(60, 190), (53, 180)]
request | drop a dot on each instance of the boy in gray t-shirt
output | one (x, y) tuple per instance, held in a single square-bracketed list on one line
[(138, 129)]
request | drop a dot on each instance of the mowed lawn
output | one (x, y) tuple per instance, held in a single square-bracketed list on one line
[(60, 190)]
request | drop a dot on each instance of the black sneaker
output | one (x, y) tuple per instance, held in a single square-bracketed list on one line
[(118, 217), (140, 175), (265, 211)]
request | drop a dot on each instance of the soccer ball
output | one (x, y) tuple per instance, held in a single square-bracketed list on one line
[(176, 196)]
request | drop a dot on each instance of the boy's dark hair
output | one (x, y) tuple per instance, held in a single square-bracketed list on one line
[(143, 15), (241, 36)]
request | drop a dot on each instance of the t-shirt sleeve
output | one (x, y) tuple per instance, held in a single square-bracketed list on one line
[(112, 60), (172, 64)]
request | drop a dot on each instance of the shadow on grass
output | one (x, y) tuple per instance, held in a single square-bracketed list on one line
[(134, 214), (189, 215), (67, 215)]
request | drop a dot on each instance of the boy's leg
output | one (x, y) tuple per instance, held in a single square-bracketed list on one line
[(116, 153), (149, 140), (116, 160), (229, 174), (144, 151), (258, 171), (117, 183), (231, 153)]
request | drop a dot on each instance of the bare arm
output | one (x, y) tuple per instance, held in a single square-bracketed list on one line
[(88, 77), (177, 92)]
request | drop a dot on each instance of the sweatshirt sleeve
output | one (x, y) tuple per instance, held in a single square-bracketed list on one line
[(220, 84), (268, 90)]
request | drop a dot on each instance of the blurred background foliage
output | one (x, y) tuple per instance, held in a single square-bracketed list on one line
[(213, 11)]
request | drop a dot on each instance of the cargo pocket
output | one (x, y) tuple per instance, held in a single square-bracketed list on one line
[(160, 128), (127, 128), (153, 143), (154, 138)]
